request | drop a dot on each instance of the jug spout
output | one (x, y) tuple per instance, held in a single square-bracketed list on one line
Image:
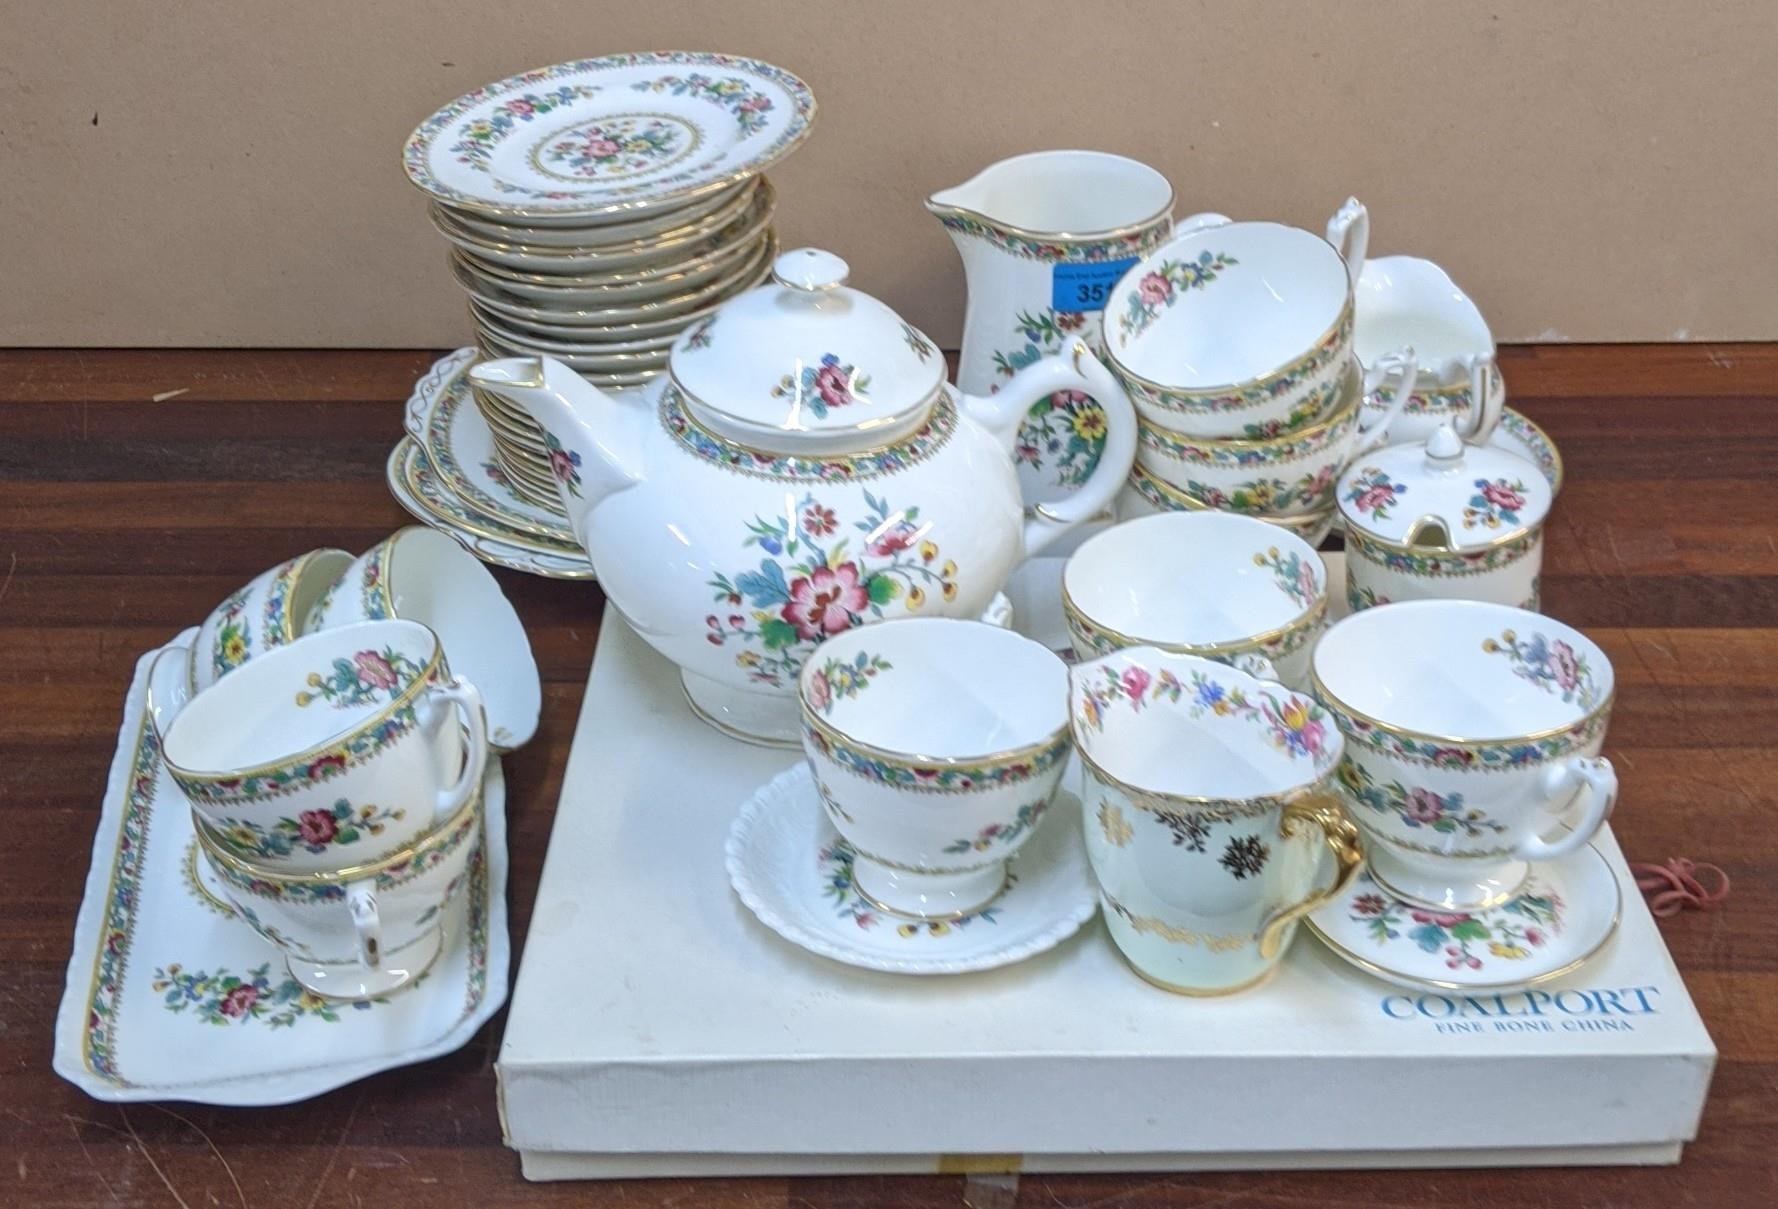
[(594, 440)]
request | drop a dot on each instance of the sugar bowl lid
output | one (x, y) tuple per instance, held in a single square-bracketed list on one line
[(805, 362), (1443, 494)]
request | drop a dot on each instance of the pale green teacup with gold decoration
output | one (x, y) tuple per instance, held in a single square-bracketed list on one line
[(1231, 588), (1208, 804), (326, 753)]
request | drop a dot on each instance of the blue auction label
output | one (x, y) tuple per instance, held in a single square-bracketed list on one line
[(1085, 285)]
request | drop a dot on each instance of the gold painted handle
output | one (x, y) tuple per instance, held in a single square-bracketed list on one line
[(1326, 812)]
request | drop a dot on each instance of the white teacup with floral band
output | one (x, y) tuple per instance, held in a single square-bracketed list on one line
[(324, 754), (936, 746), (1404, 301), (1207, 801), (1238, 329), (269, 611), (1289, 475), (359, 932), (421, 575), (1472, 743), (1144, 583), (1444, 519)]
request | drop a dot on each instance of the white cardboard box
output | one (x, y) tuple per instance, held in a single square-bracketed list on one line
[(658, 1029)]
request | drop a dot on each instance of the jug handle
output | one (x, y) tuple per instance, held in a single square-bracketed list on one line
[(1321, 810), (1002, 413), (1349, 231)]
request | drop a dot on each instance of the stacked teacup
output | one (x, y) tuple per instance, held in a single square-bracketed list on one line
[(333, 764), (1234, 341)]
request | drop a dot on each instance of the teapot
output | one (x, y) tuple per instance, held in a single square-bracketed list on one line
[(801, 468)]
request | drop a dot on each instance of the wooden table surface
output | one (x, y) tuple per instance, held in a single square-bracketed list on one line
[(138, 488)]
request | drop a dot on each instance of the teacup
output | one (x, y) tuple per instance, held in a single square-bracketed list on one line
[(325, 753), (1472, 738), (1237, 329), (1143, 584), (1404, 301), (1146, 495), (421, 575), (1207, 799), (937, 745), (1276, 476), (267, 612), (359, 932)]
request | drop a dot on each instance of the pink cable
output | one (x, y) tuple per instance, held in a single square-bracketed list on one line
[(1672, 887)]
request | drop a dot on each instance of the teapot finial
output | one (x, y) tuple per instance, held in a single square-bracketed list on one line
[(810, 269)]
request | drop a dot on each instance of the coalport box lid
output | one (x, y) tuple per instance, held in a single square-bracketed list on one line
[(657, 1028)]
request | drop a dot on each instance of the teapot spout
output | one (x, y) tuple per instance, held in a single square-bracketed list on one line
[(594, 440)]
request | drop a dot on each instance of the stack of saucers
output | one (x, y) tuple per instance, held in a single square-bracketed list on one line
[(596, 209), (1234, 342)]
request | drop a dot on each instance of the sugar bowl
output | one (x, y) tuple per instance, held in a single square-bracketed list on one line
[(1443, 520)]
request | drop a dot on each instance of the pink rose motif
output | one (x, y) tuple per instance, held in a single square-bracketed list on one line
[(326, 766), (893, 540), (1305, 582), (1379, 496), (1154, 289), (1217, 498), (1442, 919), (375, 670), (1321, 483), (1535, 937), (317, 827), (833, 384), (1135, 683), (820, 692), (1071, 321), (238, 1002), (562, 464), (1565, 666), (1502, 497), (757, 103), (601, 148), (826, 602), (1369, 904), (1423, 806), (519, 107)]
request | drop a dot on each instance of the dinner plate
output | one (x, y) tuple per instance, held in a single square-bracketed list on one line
[(718, 208), (621, 134)]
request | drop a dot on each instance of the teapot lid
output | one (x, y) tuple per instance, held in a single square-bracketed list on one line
[(805, 363), (1443, 494)]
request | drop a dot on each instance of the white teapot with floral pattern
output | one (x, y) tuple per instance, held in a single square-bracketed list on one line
[(802, 468)]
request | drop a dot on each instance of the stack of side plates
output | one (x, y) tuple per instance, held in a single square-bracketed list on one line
[(597, 209)]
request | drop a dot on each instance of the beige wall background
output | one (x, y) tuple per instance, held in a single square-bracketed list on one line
[(200, 172)]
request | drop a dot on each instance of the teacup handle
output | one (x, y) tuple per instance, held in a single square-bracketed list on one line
[(1485, 405), (1349, 231), (1341, 834), (361, 901), (1593, 776), (1002, 413), (467, 700), (1407, 365), (999, 611)]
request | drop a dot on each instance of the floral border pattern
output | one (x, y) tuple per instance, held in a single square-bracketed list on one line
[(398, 874), (698, 441), (288, 778), (1479, 757), (1319, 358), (1118, 247), (1440, 564), (836, 862), (1289, 448), (935, 778)]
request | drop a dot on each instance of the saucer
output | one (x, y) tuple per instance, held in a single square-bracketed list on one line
[(170, 997), (795, 873), (443, 418), (414, 486), (1561, 917), (624, 134)]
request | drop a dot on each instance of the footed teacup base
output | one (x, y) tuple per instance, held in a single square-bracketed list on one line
[(354, 982), (1446, 883), (766, 719), (927, 896)]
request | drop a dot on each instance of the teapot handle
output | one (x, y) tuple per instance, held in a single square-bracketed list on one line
[(1002, 413)]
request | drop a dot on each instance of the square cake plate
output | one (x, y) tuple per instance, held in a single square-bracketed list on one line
[(170, 997), (658, 1028)]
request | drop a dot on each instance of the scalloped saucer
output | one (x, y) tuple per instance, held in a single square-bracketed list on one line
[(795, 873), (1563, 915)]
